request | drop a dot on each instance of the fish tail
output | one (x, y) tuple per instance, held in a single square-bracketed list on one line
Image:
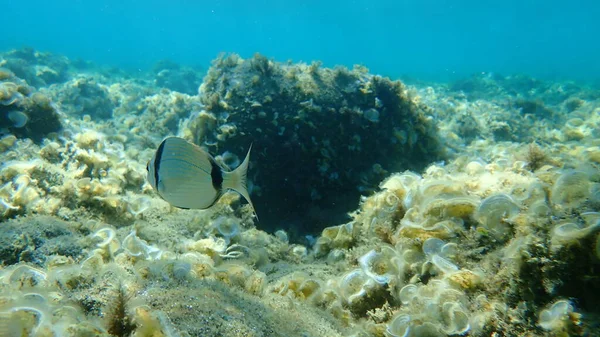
[(236, 180)]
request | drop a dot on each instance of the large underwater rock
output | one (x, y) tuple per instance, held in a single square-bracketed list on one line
[(85, 95), (25, 112), (321, 137)]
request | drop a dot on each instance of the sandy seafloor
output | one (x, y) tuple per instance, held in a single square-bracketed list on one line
[(500, 237)]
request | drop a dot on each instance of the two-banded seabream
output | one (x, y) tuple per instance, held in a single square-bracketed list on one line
[(186, 176)]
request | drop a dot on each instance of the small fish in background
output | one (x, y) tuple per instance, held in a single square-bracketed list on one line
[(186, 176)]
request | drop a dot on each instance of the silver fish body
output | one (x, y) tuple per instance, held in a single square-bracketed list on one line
[(186, 176)]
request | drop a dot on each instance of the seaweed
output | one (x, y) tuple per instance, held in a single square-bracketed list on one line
[(119, 322), (261, 64), (535, 157)]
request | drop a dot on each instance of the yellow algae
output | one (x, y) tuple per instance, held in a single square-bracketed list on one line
[(593, 154), (451, 207), (465, 279)]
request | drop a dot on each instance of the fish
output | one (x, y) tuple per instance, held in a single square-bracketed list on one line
[(188, 177)]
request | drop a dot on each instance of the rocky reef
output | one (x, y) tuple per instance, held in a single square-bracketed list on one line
[(473, 216), (25, 112), (173, 76), (38, 69), (325, 136)]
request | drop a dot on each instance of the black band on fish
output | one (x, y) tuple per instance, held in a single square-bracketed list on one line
[(181, 207), (216, 199), (159, 153), (216, 175)]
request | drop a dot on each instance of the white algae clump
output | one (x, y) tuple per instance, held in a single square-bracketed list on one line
[(556, 317), (570, 189), (496, 213)]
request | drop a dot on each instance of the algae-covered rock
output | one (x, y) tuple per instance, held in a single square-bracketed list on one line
[(84, 95), (36, 239), (321, 136), (25, 112), (39, 69), (170, 75)]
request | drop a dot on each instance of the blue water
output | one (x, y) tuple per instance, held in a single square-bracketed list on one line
[(433, 40)]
